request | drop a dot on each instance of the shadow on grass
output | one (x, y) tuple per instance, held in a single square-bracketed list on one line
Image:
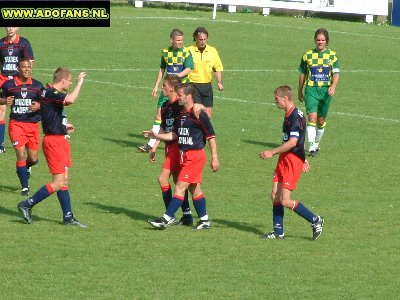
[(239, 226), (130, 143), (263, 144), (136, 215), (133, 214), (10, 212), (123, 143), (15, 213), (137, 136), (8, 189)]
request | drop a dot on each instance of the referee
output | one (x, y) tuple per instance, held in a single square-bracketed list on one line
[(206, 61)]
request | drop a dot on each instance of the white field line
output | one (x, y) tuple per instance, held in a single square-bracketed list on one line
[(372, 72), (331, 112), (264, 24), (382, 119)]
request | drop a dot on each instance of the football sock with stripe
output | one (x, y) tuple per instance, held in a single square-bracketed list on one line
[(166, 194), (22, 173), (41, 194), (319, 134), (185, 205), (303, 211), (277, 217), (2, 132), (65, 202), (174, 205), (311, 134), (200, 206)]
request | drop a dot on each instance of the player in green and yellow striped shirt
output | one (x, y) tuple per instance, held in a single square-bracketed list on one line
[(175, 59), (319, 72)]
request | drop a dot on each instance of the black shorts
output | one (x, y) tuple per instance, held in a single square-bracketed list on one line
[(203, 93)]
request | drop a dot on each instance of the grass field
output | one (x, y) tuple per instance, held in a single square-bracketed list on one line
[(353, 183)]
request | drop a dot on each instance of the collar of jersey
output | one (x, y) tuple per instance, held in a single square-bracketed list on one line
[(317, 51), (190, 110), (7, 41), (175, 50), (18, 82), (197, 48), (290, 111)]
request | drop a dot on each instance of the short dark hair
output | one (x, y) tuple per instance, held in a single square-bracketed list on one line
[(23, 59), (199, 30), (187, 88)]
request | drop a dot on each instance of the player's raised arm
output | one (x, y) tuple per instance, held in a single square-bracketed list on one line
[(74, 95)]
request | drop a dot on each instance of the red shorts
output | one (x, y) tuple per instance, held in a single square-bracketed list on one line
[(24, 133), (288, 170), (192, 164), (57, 152), (172, 158)]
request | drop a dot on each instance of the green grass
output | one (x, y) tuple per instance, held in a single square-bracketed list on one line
[(353, 183)]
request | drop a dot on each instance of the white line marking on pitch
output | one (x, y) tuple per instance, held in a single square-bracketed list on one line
[(236, 100), (225, 70), (262, 24), (333, 112), (250, 102)]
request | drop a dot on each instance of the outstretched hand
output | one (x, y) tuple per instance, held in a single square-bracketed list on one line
[(80, 77)]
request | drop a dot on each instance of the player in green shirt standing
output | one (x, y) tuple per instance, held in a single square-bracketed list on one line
[(319, 72), (175, 60)]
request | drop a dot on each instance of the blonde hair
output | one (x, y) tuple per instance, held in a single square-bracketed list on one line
[(284, 90), (60, 74)]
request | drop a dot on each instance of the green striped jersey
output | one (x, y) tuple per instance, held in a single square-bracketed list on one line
[(319, 67)]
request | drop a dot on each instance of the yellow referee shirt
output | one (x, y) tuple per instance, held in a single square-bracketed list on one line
[(205, 63)]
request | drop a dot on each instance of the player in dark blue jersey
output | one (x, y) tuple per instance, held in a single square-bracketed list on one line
[(55, 145), (175, 60), (13, 48), (22, 94), (191, 134), (289, 167), (170, 110)]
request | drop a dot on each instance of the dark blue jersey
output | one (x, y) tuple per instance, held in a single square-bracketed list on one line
[(192, 132), (24, 94), (12, 52), (51, 110), (169, 112), (294, 125)]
